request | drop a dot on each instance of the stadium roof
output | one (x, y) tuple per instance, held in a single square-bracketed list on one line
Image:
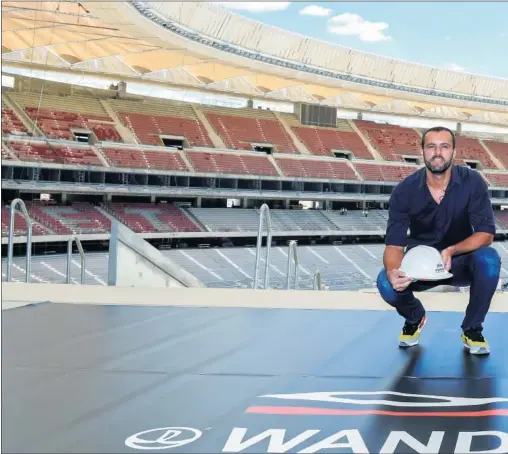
[(204, 46)]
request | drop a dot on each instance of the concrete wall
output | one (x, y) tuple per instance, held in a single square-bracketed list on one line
[(133, 262), (19, 294)]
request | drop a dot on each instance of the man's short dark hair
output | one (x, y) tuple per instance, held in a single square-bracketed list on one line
[(438, 129)]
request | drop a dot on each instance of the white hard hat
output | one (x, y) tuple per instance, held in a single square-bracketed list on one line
[(424, 263)]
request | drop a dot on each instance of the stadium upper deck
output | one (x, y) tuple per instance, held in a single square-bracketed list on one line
[(135, 133)]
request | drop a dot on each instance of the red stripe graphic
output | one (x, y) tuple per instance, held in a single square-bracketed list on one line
[(275, 410)]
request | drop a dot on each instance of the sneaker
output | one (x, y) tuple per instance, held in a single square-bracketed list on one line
[(475, 342), (411, 333)]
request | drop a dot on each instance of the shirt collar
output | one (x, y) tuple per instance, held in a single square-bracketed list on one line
[(455, 178)]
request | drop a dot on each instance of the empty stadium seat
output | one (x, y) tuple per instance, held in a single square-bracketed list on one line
[(469, 149), (57, 115), (501, 218), (20, 227), (355, 220), (239, 132), (59, 124), (247, 220), (321, 141), (391, 141), (232, 163), (38, 151), (497, 179), (383, 172), (499, 150), (11, 124), (150, 218), (78, 218), (149, 128), (140, 158), (329, 169)]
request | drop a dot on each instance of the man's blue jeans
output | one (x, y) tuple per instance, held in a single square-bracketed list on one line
[(478, 270)]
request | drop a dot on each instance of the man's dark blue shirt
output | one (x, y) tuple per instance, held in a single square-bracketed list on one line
[(465, 209)]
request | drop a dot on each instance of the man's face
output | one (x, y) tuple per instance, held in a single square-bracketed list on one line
[(438, 151)]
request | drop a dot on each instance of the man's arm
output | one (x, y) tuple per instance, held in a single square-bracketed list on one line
[(481, 216), (475, 241), (396, 230), (392, 257)]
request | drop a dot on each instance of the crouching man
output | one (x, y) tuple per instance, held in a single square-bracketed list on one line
[(447, 207)]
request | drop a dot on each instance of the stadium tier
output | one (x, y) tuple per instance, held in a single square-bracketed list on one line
[(84, 218), (373, 149), (321, 141), (140, 158), (342, 267), (11, 124), (231, 163), (469, 149), (497, 179), (58, 116), (340, 170), (241, 128), (391, 141), (145, 218), (80, 218), (150, 120), (499, 150), (39, 151), (377, 172)]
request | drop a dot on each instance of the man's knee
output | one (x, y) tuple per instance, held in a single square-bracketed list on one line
[(487, 262), (385, 288)]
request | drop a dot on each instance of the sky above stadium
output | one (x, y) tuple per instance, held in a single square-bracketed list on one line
[(471, 37)]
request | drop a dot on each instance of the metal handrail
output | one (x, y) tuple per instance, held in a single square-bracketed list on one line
[(28, 239), (264, 211), (318, 283), (69, 258), (293, 254)]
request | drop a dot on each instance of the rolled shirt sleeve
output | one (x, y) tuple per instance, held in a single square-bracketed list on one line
[(398, 219), (481, 213)]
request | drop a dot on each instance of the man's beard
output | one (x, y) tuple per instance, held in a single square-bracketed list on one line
[(438, 168)]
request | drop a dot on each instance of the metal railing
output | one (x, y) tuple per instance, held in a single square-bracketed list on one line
[(263, 212), (292, 254), (69, 259), (318, 283), (28, 239)]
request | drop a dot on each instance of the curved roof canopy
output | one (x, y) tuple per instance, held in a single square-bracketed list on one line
[(204, 46)]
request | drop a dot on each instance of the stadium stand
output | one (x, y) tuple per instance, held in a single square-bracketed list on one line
[(59, 116), (342, 267), (20, 226), (241, 128), (392, 141), (496, 179), (384, 172), (314, 168), (11, 124), (143, 158), (151, 120), (247, 220), (355, 220), (469, 149), (78, 218), (321, 141), (146, 218), (6, 153), (499, 150), (34, 150), (243, 164)]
